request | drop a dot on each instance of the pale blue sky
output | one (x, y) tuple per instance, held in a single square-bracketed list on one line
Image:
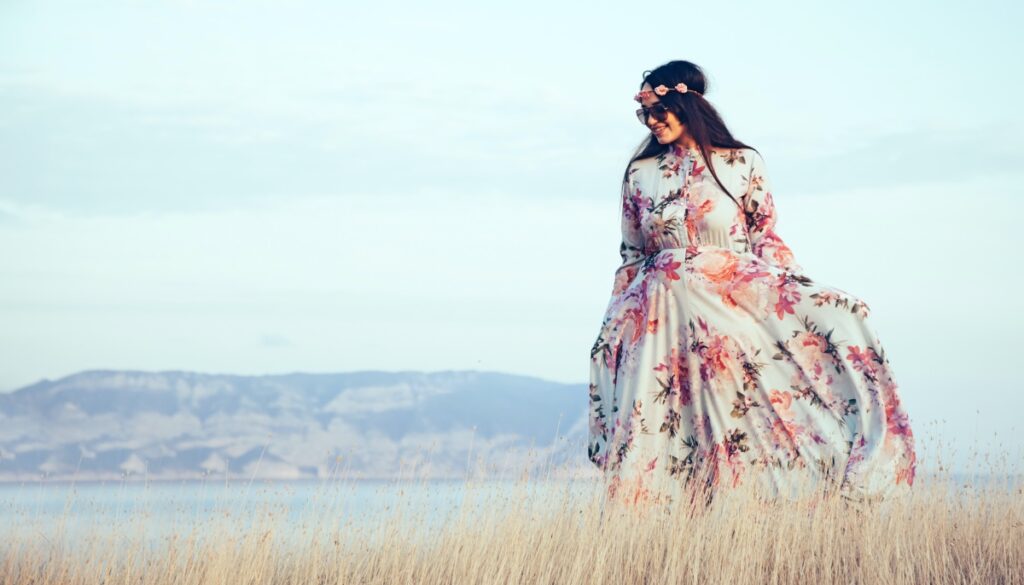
[(266, 187)]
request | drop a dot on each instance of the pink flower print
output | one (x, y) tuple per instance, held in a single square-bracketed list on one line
[(668, 264), (698, 206), (720, 357), (789, 296), (671, 168), (676, 388), (809, 350), (750, 296), (907, 471), (623, 278), (861, 360), (782, 254), (674, 364), (633, 208), (696, 172), (734, 443), (651, 465), (781, 400), (638, 319), (651, 243), (897, 421), (707, 205), (691, 231), (718, 266), (629, 210), (856, 457), (784, 435)]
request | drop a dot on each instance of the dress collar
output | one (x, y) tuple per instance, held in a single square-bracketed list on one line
[(683, 152)]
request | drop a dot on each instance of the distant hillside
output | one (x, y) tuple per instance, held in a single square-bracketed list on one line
[(179, 425)]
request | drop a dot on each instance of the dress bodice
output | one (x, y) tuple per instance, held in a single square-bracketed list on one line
[(672, 201), (678, 203)]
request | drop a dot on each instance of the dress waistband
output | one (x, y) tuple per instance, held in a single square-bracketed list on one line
[(739, 249)]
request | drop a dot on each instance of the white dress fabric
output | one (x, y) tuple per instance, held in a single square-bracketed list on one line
[(718, 355)]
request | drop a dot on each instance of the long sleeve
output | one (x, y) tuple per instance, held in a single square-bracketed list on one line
[(631, 247), (759, 210)]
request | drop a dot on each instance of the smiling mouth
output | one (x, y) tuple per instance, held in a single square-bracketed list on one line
[(659, 129)]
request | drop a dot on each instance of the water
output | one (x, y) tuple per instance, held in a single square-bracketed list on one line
[(156, 511)]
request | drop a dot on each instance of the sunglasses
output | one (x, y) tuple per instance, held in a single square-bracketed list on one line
[(659, 111)]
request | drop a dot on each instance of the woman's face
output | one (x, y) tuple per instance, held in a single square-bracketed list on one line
[(671, 130)]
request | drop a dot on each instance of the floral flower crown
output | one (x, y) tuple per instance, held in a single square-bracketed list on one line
[(662, 90)]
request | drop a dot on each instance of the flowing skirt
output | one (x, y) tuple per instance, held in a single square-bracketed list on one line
[(712, 364)]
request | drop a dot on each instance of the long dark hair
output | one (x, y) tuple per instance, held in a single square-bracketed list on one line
[(702, 120)]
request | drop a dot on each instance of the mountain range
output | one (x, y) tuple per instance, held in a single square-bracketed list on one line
[(171, 425)]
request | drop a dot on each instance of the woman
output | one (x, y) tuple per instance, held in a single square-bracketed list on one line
[(717, 355)]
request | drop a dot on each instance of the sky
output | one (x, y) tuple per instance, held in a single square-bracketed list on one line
[(269, 187)]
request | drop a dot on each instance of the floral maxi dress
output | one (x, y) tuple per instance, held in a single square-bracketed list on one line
[(718, 354)]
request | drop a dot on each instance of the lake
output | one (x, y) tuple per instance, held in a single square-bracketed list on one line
[(154, 511)]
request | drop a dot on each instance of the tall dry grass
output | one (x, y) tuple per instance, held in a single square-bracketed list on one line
[(542, 530)]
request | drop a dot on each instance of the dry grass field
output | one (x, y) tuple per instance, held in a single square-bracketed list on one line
[(539, 530)]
